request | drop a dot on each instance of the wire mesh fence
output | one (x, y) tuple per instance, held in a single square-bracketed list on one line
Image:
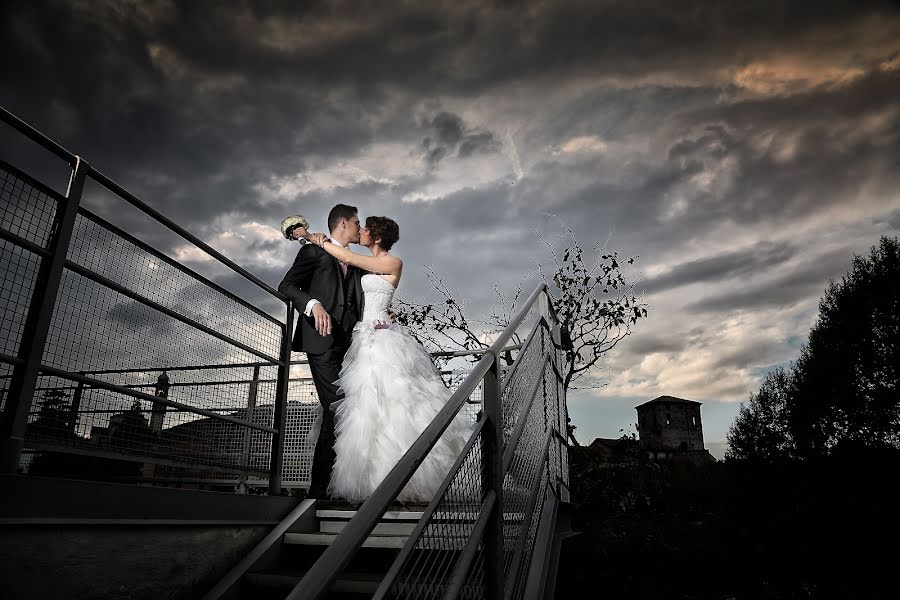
[(445, 557), (149, 371), (124, 318)]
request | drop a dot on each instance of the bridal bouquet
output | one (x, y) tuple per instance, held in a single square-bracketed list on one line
[(289, 224)]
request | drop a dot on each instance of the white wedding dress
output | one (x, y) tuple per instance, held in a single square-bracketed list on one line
[(392, 391)]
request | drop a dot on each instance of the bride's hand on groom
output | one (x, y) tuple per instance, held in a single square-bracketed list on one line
[(316, 238)]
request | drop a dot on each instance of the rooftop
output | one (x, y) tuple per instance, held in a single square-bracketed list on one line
[(668, 400)]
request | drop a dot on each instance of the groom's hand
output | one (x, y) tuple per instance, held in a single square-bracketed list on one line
[(322, 318)]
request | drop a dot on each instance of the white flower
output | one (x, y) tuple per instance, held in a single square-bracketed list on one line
[(289, 224)]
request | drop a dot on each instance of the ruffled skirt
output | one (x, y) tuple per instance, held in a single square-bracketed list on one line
[(392, 391)]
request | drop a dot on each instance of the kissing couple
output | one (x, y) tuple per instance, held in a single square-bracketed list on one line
[(377, 385)]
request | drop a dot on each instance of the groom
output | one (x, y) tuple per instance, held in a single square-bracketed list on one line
[(329, 294)]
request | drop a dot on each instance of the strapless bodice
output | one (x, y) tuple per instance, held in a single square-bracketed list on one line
[(378, 293)]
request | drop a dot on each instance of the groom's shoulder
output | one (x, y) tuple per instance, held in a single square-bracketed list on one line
[(310, 251)]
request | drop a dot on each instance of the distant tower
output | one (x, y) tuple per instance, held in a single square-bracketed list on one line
[(667, 425), (157, 416), (158, 412)]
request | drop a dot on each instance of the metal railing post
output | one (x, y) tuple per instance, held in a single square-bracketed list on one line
[(14, 420), (281, 389), (245, 444), (492, 455)]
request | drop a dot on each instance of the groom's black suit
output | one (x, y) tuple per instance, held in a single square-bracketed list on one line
[(316, 274)]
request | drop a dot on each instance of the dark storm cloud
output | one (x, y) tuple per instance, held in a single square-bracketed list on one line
[(829, 159), (703, 116), (893, 220), (242, 93), (758, 352), (812, 159), (450, 137), (740, 263), (648, 344), (808, 280)]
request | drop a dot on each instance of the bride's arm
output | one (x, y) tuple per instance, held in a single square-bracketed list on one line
[(386, 265)]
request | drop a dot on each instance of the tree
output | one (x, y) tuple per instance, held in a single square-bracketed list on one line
[(594, 301), (761, 429), (843, 389), (848, 374), (53, 418)]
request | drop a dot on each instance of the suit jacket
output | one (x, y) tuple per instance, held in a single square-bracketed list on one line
[(317, 274)]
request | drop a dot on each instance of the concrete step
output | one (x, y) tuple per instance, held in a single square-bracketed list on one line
[(383, 528), (408, 515), (326, 539), (346, 583), (391, 515)]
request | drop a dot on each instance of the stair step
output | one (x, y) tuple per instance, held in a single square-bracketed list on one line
[(408, 515), (380, 541), (346, 583), (401, 528), (326, 539), (391, 515)]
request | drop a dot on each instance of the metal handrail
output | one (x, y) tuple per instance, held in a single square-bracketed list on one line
[(339, 554), (469, 552), (175, 264), (109, 283), (458, 353), (187, 235), (98, 383), (428, 512), (510, 450), (515, 564), (93, 173), (28, 364), (37, 136)]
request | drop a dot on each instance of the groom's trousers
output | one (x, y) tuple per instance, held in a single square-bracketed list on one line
[(325, 369)]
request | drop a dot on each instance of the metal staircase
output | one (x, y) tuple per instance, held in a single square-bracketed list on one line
[(79, 397), (493, 528), (280, 561)]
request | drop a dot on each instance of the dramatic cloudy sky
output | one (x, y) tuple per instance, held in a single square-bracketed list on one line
[(745, 150)]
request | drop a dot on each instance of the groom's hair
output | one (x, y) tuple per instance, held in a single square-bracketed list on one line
[(340, 211)]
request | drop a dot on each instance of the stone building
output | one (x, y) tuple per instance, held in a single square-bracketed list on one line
[(670, 427)]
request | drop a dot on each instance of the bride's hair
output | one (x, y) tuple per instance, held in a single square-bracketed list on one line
[(384, 229)]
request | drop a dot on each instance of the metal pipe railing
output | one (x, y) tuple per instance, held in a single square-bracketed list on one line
[(408, 547), (528, 515), (98, 383), (458, 579), (27, 365), (339, 554), (37, 325), (36, 136), (509, 451), (181, 231), (121, 233), (87, 273)]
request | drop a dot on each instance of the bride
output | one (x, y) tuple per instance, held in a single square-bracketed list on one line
[(392, 389)]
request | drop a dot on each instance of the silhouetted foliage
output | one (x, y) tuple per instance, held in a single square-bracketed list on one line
[(53, 416), (595, 303), (818, 528), (843, 389), (761, 428)]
